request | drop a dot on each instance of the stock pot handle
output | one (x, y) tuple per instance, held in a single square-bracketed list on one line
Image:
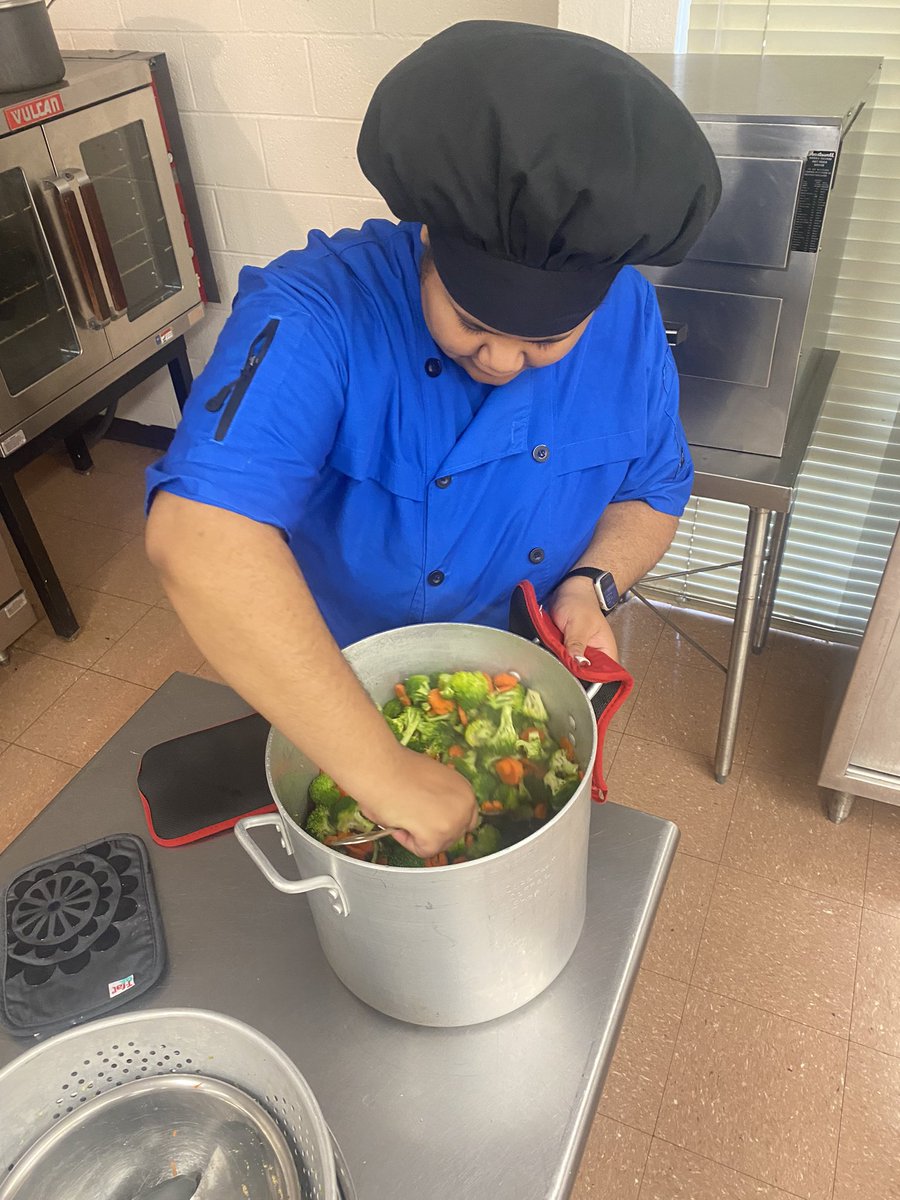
[(602, 676), (277, 880)]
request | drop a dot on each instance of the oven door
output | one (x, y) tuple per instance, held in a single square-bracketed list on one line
[(45, 346), (112, 164)]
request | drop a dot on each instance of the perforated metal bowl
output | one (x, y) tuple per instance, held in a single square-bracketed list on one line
[(43, 1085)]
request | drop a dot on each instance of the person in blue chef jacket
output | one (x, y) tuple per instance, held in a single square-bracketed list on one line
[(401, 422)]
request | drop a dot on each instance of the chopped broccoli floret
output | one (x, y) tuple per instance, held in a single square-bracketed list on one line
[(324, 792), (485, 840), (406, 724), (564, 793), (532, 746), (533, 706), (348, 819), (393, 709), (417, 688), (560, 765), (505, 736), (467, 688), (480, 732), (319, 824), (434, 736), (466, 766), (398, 856), (484, 787), (513, 698)]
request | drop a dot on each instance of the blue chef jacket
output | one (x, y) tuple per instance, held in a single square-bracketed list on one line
[(407, 491)]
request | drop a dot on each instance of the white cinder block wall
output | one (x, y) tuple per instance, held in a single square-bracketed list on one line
[(271, 94)]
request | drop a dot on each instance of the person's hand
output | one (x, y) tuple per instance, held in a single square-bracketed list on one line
[(576, 612), (429, 802)]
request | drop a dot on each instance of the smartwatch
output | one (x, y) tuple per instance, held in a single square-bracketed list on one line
[(604, 586)]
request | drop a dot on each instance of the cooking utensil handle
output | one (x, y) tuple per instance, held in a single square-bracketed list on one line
[(105, 253), (277, 880)]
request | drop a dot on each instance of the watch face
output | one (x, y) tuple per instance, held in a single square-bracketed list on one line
[(607, 587)]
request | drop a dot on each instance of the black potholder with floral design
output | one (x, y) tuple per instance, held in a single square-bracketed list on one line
[(82, 935)]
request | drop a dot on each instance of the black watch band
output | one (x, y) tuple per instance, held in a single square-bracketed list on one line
[(604, 585)]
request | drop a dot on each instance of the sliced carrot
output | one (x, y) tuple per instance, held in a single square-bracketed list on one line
[(363, 850), (463, 718), (460, 858), (526, 733), (439, 704), (505, 683), (470, 839), (490, 681), (568, 748), (455, 752), (540, 811), (509, 770), (437, 860), (492, 806), (400, 692)]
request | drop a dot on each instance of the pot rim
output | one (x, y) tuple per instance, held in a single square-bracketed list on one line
[(359, 862)]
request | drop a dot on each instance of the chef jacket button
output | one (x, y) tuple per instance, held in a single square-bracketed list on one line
[(444, 481), (540, 453), (536, 555), (433, 367), (436, 578)]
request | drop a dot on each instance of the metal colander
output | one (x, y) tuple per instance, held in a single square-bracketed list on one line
[(53, 1079)]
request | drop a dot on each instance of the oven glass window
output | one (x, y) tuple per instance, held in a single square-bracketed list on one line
[(36, 332), (122, 171)]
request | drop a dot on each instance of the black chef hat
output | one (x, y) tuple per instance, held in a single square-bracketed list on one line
[(542, 162)]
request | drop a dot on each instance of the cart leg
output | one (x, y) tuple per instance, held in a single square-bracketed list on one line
[(181, 374), (745, 610), (41, 571), (79, 453), (839, 806), (4, 658), (780, 525)]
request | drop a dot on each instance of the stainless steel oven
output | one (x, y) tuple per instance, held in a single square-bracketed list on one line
[(97, 262)]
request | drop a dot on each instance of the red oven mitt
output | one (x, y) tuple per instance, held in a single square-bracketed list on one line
[(528, 619)]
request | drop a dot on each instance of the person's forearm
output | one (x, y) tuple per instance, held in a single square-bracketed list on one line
[(629, 540), (250, 612)]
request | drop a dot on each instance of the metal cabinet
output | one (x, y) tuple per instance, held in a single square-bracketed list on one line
[(863, 750)]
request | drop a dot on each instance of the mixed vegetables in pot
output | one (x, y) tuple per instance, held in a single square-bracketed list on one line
[(493, 730)]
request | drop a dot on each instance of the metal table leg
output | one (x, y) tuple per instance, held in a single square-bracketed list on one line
[(745, 611), (28, 542), (180, 373), (79, 453), (780, 525), (839, 806)]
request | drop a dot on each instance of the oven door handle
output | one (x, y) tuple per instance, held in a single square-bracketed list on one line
[(75, 245), (118, 304)]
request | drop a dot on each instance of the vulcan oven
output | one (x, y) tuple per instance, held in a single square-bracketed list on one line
[(99, 237)]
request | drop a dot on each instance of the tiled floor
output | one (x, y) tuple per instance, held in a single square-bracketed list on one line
[(760, 1058)]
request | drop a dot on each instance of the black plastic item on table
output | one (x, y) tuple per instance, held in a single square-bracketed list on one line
[(81, 935), (203, 783)]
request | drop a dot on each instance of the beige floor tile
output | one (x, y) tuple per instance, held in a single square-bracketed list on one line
[(28, 782), (637, 632), (679, 705), (78, 724), (868, 1165), (673, 943), (151, 650), (122, 458), (883, 876), (637, 1076), (876, 1001), (757, 1093), (787, 732), (103, 620), (780, 948), (130, 574), (673, 1174), (31, 477), (620, 720), (795, 661), (28, 686), (613, 1162), (100, 498), (712, 631), (207, 671), (779, 830), (678, 786), (78, 550)]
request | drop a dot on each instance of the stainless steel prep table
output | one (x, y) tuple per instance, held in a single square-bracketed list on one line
[(497, 1111)]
